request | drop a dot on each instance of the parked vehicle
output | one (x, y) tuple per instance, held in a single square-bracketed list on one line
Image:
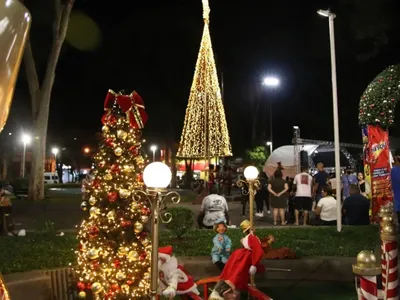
[(50, 178)]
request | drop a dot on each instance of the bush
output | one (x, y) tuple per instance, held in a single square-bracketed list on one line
[(182, 220)]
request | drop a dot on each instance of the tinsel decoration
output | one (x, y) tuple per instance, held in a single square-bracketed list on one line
[(113, 258), (378, 103)]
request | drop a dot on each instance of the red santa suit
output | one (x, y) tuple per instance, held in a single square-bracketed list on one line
[(236, 271), (173, 278)]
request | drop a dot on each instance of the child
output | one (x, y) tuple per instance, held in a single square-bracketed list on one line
[(222, 245)]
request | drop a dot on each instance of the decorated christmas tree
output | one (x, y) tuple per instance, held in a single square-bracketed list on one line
[(114, 250)]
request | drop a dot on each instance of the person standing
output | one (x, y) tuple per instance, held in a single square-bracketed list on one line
[(302, 185), (320, 181), (278, 189), (262, 195), (347, 180), (395, 177), (227, 177)]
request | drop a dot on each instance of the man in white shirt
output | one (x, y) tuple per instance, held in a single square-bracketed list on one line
[(326, 207), (302, 184), (213, 208)]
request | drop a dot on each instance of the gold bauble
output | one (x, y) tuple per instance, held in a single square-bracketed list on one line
[(108, 177), (145, 242), (108, 271), (134, 204), (93, 253), (120, 275), (125, 288), (383, 211), (138, 227), (97, 287), (82, 295), (122, 134), (144, 219), (133, 256), (389, 230), (118, 151), (366, 258), (122, 251), (92, 200), (94, 211), (387, 219), (146, 276), (128, 169), (111, 215), (105, 129), (123, 193), (84, 205)]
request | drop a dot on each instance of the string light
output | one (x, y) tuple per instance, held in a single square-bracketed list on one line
[(378, 103), (114, 251), (205, 133)]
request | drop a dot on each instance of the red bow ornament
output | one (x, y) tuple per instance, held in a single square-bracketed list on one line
[(132, 105)]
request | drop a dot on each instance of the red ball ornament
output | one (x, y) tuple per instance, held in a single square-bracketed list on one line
[(96, 183), (117, 263), (89, 286), (109, 142), (130, 282), (112, 196), (145, 211), (143, 256), (81, 286), (126, 223), (115, 287), (93, 231), (143, 235), (115, 168), (134, 150), (112, 120)]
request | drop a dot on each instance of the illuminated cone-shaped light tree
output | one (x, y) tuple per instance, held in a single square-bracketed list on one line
[(114, 250), (205, 133)]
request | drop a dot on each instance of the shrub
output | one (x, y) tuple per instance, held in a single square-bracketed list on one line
[(181, 222)]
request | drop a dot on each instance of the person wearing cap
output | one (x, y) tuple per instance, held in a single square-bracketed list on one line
[(320, 181), (173, 279), (241, 264), (222, 244)]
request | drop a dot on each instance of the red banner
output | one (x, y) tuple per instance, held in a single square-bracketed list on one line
[(379, 161)]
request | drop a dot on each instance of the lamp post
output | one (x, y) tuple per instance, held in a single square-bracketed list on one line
[(251, 174), (157, 177), (331, 17), (55, 152), (271, 82), (153, 148), (86, 150), (26, 139), (269, 144)]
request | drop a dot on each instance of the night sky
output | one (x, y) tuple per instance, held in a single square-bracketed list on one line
[(152, 47)]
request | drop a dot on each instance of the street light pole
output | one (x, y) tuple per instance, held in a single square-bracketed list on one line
[(331, 17), (25, 140), (154, 149), (271, 82)]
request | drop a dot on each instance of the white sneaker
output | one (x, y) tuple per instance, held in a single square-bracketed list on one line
[(260, 215), (269, 212), (215, 296)]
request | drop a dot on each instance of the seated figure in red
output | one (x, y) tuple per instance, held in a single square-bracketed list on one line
[(173, 279), (241, 264)]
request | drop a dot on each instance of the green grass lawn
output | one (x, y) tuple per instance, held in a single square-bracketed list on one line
[(42, 251)]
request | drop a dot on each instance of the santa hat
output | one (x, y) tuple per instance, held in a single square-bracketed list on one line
[(165, 252)]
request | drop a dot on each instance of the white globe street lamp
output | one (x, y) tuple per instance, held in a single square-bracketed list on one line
[(271, 81), (251, 173), (26, 139), (157, 177)]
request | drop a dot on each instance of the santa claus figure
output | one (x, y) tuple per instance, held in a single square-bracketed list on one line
[(241, 264), (173, 280)]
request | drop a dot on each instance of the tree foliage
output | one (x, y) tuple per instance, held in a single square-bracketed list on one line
[(257, 156)]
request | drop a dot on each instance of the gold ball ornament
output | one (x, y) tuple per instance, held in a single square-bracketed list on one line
[(387, 219), (105, 129), (118, 151), (108, 271), (133, 256), (84, 205), (111, 215), (366, 264), (108, 177), (82, 295), (383, 211), (138, 227), (93, 253), (97, 288), (94, 211), (92, 200), (146, 276), (145, 242), (120, 275), (128, 169), (123, 193), (134, 204), (122, 251), (388, 232), (125, 288), (122, 134), (144, 219)]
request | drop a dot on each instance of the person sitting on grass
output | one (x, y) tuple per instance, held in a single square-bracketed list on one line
[(213, 208), (326, 207)]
